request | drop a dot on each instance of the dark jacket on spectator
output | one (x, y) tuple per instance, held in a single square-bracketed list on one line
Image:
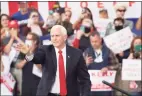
[(109, 59)]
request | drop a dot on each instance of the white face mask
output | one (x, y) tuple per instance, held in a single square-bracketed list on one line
[(28, 42)]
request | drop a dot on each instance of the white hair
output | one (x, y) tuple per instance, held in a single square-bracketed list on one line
[(62, 29), (119, 5)]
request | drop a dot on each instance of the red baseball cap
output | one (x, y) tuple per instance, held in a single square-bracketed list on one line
[(13, 24)]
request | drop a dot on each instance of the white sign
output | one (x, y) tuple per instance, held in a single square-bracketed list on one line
[(97, 77), (7, 84), (101, 25), (131, 69), (119, 41)]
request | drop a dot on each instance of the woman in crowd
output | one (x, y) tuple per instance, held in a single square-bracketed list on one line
[(5, 32), (34, 25), (82, 36), (86, 13), (135, 53)]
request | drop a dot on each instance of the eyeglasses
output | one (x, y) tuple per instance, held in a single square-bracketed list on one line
[(121, 10), (34, 16)]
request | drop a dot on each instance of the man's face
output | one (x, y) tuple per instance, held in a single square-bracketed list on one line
[(23, 5), (120, 12), (103, 14), (96, 41), (58, 39)]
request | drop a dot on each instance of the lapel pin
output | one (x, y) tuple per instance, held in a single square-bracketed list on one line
[(68, 56)]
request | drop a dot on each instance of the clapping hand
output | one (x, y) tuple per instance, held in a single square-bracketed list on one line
[(23, 48), (13, 32)]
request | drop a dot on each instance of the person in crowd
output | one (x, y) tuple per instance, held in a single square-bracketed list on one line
[(103, 13), (139, 23), (120, 12), (29, 80), (8, 44), (82, 36), (136, 41), (86, 13), (118, 25), (7, 30), (99, 57), (135, 53), (23, 14), (57, 17), (66, 16), (9, 52), (4, 18), (34, 25), (60, 81)]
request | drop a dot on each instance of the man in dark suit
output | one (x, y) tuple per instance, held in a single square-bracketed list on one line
[(62, 66)]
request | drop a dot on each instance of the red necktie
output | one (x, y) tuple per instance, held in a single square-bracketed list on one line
[(63, 90)]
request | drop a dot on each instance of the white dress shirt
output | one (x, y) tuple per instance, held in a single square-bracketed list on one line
[(56, 85), (99, 56)]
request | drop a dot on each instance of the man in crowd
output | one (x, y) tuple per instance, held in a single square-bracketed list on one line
[(99, 57), (103, 13), (23, 14)]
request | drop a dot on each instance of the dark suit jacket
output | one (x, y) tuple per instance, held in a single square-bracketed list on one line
[(76, 70)]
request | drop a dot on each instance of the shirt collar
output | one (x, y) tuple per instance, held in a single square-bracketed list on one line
[(63, 50)]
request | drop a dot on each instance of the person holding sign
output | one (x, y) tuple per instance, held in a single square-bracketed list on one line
[(132, 86), (99, 57), (120, 12), (136, 53), (119, 25)]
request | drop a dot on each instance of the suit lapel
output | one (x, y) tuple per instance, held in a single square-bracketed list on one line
[(68, 60), (54, 57)]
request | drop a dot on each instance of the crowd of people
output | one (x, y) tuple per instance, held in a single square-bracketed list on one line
[(27, 27)]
